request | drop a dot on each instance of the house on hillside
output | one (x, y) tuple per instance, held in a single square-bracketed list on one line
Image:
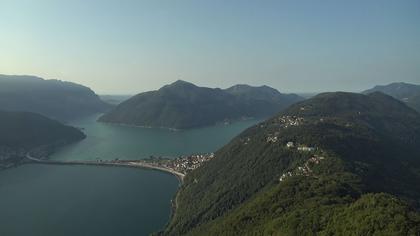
[(272, 139), (306, 149), (290, 144)]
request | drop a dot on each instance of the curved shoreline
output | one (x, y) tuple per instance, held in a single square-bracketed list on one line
[(180, 176), (219, 123), (130, 163), (127, 164)]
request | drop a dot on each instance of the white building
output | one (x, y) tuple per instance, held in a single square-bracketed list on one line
[(290, 144), (306, 149)]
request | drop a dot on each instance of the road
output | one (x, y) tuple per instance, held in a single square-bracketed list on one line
[(119, 163)]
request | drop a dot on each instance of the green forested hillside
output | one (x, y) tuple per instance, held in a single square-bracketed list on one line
[(183, 105), (52, 98), (27, 130), (21, 132), (361, 178)]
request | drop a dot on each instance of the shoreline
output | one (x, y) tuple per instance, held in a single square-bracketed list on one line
[(221, 123), (180, 176), (141, 126), (124, 163), (28, 159)]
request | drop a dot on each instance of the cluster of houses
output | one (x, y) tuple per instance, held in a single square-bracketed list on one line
[(186, 164), (246, 140), (286, 121), (305, 149), (302, 148), (304, 170), (9, 153), (273, 138), (285, 175)]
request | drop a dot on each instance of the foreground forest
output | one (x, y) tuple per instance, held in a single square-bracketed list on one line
[(337, 163)]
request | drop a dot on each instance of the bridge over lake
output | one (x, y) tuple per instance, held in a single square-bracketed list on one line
[(117, 163)]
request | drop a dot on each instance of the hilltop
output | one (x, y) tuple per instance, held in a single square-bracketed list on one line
[(408, 93), (184, 105), (336, 163), (52, 98)]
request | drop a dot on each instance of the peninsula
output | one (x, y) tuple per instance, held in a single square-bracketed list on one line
[(22, 132), (179, 167)]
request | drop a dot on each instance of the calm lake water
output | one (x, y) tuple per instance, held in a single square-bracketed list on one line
[(107, 141), (87, 200)]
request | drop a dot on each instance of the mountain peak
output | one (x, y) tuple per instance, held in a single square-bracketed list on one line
[(182, 82), (184, 105), (179, 84), (246, 86), (240, 86), (245, 89)]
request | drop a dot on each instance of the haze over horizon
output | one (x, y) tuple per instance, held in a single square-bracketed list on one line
[(127, 47)]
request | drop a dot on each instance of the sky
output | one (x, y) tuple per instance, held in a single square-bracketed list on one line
[(127, 47)]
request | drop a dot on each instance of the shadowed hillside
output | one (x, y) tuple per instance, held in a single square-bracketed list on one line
[(22, 132), (52, 98), (183, 105)]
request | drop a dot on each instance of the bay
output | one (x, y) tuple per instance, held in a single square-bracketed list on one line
[(87, 200), (110, 141)]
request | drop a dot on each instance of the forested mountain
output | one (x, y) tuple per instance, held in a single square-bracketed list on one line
[(21, 132), (52, 98), (184, 105), (408, 93), (338, 163)]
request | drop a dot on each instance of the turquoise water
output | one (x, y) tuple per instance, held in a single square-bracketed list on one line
[(86, 200), (107, 141)]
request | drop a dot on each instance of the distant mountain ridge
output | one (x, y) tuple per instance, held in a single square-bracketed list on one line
[(358, 175), (260, 93), (53, 98), (408, 93), (184, 105)]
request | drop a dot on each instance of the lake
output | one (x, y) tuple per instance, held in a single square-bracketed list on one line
[(107, 141), (87, 200)]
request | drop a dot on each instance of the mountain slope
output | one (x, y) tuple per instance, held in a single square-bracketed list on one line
[(184, 105), (408, 93), (21, 132), (52, 98), (363, 145)]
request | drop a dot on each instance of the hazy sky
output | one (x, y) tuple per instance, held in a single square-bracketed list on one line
[(126, 47)]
